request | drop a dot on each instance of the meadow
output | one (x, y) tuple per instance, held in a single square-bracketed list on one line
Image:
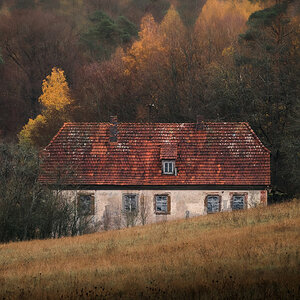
[(253, 254)]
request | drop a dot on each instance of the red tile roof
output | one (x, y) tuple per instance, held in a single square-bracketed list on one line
[(168, 151), (217, 154)]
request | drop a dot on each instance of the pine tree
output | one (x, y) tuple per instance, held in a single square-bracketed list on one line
[(106, 34)]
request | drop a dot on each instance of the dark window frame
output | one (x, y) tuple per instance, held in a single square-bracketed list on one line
[(158, 212), (206, 202), (136, 202)]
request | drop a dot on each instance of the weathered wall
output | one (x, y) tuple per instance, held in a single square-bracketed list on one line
[(182, 201)]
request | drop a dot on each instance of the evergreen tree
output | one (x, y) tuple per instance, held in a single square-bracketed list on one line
[(105, 34), (24, 4)]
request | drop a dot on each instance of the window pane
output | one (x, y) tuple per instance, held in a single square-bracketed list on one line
[(238, 202), (133, 203), (166, 167), (126, 204), (213, 204), (85, 204), (162, 204), (130, 202)]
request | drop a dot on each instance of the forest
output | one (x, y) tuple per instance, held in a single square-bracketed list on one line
[(151, 61)]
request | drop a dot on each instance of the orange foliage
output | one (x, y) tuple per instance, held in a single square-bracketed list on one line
[(147, 50), (219, 24), (172, 29)]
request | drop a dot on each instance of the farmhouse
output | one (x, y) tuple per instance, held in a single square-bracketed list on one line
[(158, 171)]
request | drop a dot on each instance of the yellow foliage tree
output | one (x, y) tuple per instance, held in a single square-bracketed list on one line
[(147, 50), (219, 24), (172, 28), (55, 100), (56, 93)]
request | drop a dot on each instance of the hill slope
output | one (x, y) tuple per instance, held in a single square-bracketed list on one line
[(248, 254)]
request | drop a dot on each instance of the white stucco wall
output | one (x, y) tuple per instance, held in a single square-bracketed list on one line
[(181, 201)]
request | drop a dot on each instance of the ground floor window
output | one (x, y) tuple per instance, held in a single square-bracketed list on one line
[(238, 202), (130, 202), (162, 204), (86, 204), (213, 204)]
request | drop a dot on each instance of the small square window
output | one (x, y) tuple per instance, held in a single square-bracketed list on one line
[(168, 166), (85, 205), (130, 202), (162, 204)]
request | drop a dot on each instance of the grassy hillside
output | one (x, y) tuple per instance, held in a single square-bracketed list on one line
[(251, 254)]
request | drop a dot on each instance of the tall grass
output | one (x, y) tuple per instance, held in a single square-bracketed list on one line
[(251, 254)]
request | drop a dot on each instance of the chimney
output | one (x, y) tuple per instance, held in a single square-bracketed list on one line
[(113, 129), (200, 122)]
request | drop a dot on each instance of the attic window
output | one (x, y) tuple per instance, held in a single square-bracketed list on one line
[(85, 204), (168, 167)]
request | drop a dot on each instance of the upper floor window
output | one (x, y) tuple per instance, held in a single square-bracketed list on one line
[(168, 166), (86, 204), (130, 202)]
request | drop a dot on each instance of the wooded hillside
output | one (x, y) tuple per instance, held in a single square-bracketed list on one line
[(157, 61)]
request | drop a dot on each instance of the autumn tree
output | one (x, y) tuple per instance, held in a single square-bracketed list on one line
[(55, 101), (164, 70), (102, 89), (143, 65), (183, 75), (31, 43), (218, 26)]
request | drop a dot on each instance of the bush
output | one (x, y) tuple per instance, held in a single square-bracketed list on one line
[(29, 210)]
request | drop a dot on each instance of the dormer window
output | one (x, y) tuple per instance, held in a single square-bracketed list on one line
[(168, 155), (168, 167)]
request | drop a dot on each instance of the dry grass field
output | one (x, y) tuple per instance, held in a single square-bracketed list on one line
[(252, 254)]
